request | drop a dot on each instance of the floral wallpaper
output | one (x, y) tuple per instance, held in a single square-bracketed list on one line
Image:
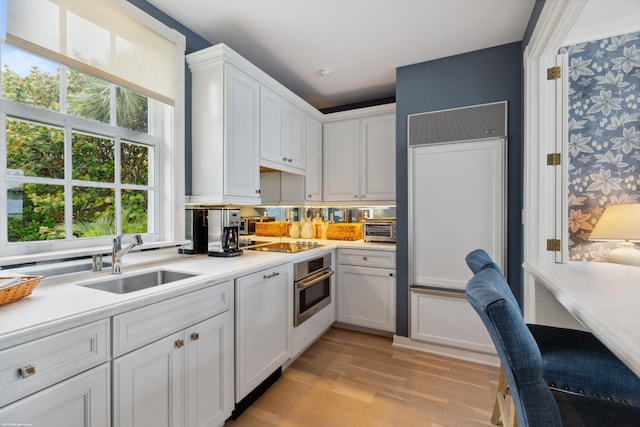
[(604, 136)]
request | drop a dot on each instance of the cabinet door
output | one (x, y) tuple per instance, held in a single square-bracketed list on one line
[(242, 141), (340, 161), (313, 175), (81, 401), (295, 148), (148, 385), (367, 297), (264, 319), (272, 126), (378, 151), (209, 373)]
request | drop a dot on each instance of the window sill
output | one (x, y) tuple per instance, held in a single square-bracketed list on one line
[(83, 252)]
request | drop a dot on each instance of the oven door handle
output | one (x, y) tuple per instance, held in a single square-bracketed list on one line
[(313, 279)]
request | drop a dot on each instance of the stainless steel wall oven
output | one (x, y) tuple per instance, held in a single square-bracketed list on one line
[(312, 287)]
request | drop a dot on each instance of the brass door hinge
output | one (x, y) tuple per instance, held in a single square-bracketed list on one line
[(553, 245), (553, 73), (553, 159)]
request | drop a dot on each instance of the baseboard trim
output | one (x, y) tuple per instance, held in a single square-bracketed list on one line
[(456, 353)]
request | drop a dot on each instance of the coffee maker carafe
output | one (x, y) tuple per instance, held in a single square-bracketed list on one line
[(230, 224)]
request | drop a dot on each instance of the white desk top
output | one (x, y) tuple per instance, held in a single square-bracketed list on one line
[(604, 297)]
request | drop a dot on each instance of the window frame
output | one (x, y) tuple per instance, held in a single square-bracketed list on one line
[(165, 134)]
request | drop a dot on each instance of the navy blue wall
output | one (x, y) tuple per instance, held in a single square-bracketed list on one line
[(479, 77), (194, 44)]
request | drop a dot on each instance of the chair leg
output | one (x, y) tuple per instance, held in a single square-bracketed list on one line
[(500, 413)]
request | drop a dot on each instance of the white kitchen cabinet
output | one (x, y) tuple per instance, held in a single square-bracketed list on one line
[(341, 163), (264, 319), (184, 378), (366, 287), (35, 365), (313, 175), (282, 133), (293, 189), (225, 144), (81, 401), (359, 159), (60, 379)]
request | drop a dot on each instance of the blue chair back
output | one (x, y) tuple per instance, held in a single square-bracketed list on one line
[(489, 294)]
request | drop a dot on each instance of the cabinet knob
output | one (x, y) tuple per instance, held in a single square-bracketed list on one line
[(27, 371), (195, 336), (390, 274), (308, 196), (179, 343), (258, 191), (364, 258), (290, 160), (284, 159)]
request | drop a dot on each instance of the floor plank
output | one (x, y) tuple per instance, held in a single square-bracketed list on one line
[(348, 378)]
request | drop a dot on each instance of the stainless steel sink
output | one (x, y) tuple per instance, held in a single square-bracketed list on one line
[(138, 282)]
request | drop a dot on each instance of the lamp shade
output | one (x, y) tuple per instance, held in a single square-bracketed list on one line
[(618, 222)]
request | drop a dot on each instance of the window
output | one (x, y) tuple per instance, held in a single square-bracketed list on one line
[(81, 155)]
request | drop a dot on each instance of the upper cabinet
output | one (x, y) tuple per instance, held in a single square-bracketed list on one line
[(225, 132), (242, 120), (359, 156), (313, 175), (282, 133)]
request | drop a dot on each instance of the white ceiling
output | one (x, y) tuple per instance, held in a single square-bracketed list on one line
[(362, 42)]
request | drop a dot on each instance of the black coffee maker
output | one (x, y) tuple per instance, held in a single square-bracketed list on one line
[(196, 230), (230, 224)]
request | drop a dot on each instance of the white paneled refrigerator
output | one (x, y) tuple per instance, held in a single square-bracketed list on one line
[(457, 180)]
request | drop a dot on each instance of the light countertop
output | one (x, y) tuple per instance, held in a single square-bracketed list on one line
[(604, 297), (61, 302)]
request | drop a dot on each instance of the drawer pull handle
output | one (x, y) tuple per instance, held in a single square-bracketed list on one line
[(195, 336), (27, 371), (179, 343), (269, 276)]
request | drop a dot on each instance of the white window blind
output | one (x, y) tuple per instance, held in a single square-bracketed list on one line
[(97, 37)]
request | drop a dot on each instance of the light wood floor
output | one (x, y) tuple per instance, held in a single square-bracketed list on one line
[(349, 378)]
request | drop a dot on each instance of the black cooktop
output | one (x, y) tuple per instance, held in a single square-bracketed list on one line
[(286, 247)]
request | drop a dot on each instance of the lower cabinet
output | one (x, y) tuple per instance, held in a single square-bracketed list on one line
[(80, 401), (366, 285), (184, 378), (264, 319), (190, 366)]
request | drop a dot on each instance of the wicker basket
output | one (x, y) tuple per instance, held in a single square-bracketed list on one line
[(271, 229), (352, 231), (19, 290)]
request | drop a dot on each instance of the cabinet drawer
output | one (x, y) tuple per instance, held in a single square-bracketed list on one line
[(138, 327), (367, 258), (83, 400), (32, 366)]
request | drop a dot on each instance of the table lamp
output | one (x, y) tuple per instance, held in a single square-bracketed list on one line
[(620, 222)]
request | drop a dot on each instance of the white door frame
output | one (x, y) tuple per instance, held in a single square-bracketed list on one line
[(554, 24)]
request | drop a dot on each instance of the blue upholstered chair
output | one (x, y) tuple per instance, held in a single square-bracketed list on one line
[(536, 404), (569, 356)]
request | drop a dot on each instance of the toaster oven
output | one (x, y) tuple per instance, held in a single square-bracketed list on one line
[(379, 230)]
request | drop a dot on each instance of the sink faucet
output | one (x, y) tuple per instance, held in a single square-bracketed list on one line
[(117, 253)]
